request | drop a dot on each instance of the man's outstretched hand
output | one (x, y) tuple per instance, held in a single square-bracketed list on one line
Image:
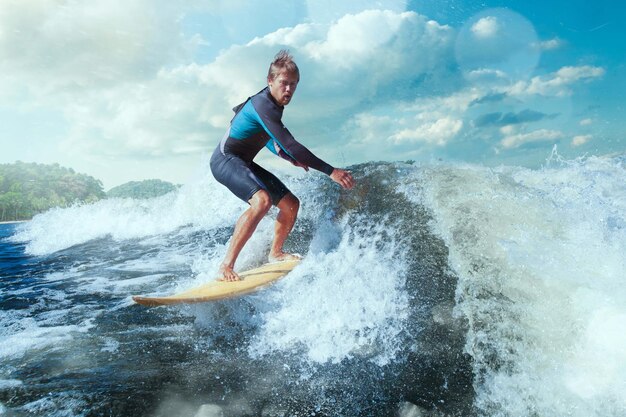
[(343, 178)]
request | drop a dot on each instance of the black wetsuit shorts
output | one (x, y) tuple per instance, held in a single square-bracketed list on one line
[(244, 179)]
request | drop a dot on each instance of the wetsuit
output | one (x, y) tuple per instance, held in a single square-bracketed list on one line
[(257, 123)]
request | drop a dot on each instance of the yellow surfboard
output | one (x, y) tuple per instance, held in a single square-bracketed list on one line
[(251, 280)]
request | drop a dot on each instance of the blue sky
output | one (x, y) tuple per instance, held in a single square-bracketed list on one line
[(128, 90)]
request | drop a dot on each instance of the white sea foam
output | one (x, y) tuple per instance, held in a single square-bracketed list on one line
[(539, 255), (27, 334), (202, 203), (58, 405), (345, 303), (110, 345), (540, 260), (9, 383)]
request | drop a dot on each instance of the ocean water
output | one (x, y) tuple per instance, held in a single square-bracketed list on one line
[(428, 290)]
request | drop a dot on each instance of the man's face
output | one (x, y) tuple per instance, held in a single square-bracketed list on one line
[(283, 87)]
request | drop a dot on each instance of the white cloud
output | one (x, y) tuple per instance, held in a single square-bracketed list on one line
[(498, 39), (359, 54), (327, 11), (95, 65), (486, 75), (355, 36), (122, 76), (507, 130), (430, 121), (558, 83), (581, 140), (162, 117), (455, 103), (337, 75), (486, 27), (549, 45), (371, 128), (61, 47), (437, 132), (541, 135)]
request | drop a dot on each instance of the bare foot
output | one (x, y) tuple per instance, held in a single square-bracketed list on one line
[(228, 274), (284, 257)]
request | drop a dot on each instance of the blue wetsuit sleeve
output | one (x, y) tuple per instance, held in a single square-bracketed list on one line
[(270, 117)]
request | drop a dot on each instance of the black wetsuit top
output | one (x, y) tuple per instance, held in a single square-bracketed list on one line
[(257, 123)]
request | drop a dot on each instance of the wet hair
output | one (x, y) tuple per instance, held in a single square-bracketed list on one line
[(282, 61)]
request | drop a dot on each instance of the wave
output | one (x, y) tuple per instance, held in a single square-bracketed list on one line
[(504, 278), (540, 259)]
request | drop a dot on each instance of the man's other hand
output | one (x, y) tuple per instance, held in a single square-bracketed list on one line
[(343, 178)]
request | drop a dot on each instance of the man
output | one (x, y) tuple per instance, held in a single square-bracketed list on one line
[(257, 123)]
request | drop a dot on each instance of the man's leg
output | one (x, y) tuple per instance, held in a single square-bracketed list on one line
[(288, 212), (260, 203)]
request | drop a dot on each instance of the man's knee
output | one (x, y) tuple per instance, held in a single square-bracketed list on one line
[(289, 203), (261, 201)]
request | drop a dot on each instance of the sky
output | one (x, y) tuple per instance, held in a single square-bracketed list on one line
[(138, 89)]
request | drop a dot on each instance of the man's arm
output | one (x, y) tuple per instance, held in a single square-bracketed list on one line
[(270, 118), (276, 150), (295, 150), (340, 176)]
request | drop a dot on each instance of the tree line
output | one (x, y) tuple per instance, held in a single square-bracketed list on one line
[(142, 189), (27, 189)]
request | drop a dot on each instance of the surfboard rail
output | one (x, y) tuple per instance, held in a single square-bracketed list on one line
[(251, 280)]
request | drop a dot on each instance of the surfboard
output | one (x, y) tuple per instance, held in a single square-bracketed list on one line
[(251, 280)]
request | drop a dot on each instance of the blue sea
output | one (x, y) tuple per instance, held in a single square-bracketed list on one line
[(429, 290)]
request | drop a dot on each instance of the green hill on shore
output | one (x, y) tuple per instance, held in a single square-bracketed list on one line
[(142, 189), (27, 189)]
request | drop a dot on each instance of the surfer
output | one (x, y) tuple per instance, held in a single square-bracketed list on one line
[(257, 124)]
